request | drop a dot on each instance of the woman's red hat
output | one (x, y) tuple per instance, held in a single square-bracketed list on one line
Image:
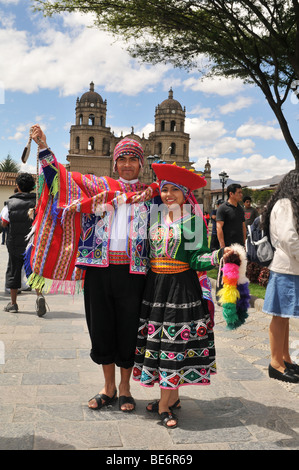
[(178, 175)]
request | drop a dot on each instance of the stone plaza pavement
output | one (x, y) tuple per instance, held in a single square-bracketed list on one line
[(47, 377)]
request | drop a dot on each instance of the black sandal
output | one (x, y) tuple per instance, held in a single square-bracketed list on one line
[(103, 400), (123, 400), (167, 416), (155, 406)]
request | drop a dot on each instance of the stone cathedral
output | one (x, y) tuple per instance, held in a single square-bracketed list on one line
[(92, 142)]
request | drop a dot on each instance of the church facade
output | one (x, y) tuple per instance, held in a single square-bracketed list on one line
[(92, 142)]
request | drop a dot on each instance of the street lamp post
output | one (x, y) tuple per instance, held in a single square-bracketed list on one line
[(223, 177)]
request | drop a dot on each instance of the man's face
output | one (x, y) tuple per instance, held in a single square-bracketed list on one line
[(128, 167), (247, 204), (237, 196)]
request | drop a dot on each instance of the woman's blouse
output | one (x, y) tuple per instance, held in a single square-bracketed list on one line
[(184, 240)]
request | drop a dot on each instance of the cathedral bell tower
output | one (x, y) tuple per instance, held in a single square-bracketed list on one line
[(89, 137), (171, 140)]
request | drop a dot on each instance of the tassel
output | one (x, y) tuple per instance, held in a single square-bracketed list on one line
[(36, 282), (55, 186), (27, 265), (230, 315), (228, 294)]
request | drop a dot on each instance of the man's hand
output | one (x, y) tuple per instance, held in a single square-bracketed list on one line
[(39, 137)]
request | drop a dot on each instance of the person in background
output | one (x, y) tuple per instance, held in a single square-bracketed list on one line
[(230, 224), (250, 213), (281, 219), (207, 217), (4, 228), (16, 218), (214, 245), (230, 218)]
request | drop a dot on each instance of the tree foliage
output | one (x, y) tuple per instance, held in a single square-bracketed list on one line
[(257, 41), (8, 165)]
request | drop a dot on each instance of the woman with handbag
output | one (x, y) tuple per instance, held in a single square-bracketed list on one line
[(281, 219)]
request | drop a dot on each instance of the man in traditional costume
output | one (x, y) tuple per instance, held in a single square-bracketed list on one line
[(96, 230)]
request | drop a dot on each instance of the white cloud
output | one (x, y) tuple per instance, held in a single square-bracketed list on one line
[(249, 168), (21, 131), (202, 130), (9, 2), (228, 145), (210, 139), (263, 131), (201, 111), (6, 19), (69, 59), (219, 86), (28, 168), (240, 103)]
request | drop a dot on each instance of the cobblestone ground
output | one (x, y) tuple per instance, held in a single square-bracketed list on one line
[(47, 377)]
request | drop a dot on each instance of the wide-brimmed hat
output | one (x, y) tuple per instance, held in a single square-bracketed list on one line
[(173, 173)]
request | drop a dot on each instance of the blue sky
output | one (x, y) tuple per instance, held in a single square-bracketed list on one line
[(229, 122)]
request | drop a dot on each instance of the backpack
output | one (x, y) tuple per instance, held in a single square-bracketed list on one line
[(258, 245)]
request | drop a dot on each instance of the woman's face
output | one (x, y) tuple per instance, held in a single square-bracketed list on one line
[(172, 195)]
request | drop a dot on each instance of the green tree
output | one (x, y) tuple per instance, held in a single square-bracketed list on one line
[(8, 165), (257, 41), (263, 197)]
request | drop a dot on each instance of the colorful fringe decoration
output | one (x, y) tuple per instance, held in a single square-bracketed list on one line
[(234, 295)]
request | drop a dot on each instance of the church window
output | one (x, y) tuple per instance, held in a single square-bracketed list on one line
[(77, 143), (162, 126), (173, 126), (80, 120), (173, 149), (91, 120), (91, 143)]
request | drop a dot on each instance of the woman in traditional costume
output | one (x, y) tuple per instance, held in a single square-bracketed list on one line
[(175, 344)]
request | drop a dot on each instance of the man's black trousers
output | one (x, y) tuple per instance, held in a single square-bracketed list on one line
[(112, 298)]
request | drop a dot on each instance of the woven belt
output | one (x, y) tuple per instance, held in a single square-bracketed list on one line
[(168, 266), (118, 257)]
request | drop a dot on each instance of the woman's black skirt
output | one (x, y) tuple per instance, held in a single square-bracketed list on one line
[(175, 343)]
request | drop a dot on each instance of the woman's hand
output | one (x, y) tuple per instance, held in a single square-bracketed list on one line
[(227, 252)]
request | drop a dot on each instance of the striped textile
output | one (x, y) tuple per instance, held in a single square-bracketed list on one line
[(168, 266)]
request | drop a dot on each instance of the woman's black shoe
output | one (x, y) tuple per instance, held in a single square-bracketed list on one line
[(292, 367), (286, 376)]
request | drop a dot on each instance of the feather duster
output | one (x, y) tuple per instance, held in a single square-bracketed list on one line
[(234, 295)]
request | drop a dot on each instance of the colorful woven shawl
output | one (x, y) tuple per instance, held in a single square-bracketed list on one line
[(51, 253)]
